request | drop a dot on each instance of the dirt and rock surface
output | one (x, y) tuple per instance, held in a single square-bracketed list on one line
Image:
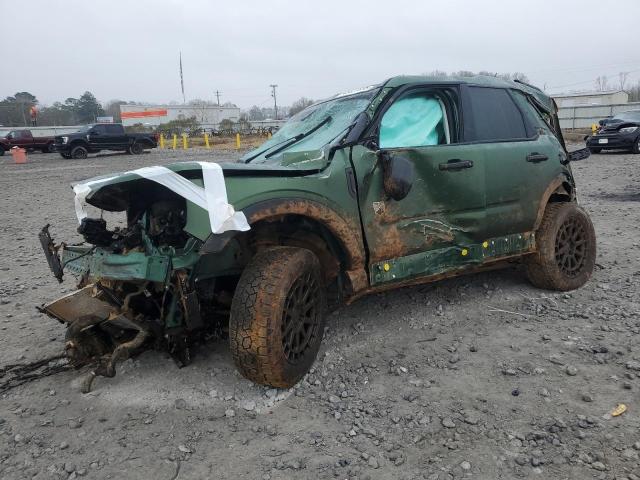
[(477, 377)]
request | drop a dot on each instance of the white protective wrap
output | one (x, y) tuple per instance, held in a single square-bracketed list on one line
[(213, 197)]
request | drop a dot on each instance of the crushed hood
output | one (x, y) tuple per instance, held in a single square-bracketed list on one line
[(110, 192)]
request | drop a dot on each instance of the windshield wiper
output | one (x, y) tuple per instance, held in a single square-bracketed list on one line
[(299, 137), (266, 150)]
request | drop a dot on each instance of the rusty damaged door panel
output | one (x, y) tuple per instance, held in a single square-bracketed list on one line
[(445, 207), (518, 173)]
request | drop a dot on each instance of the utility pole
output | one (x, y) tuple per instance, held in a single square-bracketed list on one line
[(275, 103), (218, 96)]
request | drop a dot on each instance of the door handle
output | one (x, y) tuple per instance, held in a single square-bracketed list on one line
[(456, 164), (536, 157)]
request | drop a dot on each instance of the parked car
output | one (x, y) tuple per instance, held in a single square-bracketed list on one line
[(621, 132), (24, 139), (103, 136), (410, 181)]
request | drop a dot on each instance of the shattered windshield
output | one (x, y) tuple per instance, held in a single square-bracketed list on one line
[(325, 120)]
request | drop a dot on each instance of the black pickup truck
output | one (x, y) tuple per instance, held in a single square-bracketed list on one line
[(103, 136)]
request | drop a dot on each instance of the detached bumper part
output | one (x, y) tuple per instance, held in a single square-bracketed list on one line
[(51, 252), (91, 316)]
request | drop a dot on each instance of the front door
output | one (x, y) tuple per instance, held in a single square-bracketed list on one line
[(438, 224), (98, 137)]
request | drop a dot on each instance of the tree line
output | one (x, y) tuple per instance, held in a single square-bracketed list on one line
[(15, 110)]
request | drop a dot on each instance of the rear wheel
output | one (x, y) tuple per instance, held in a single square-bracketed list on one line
[(1, 151), (595, 149), (136, 149), (79, 152), (277, 316), (566, 252), (48, 148)]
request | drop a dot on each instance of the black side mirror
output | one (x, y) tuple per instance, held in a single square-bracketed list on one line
[(398, 174), (93, 132)]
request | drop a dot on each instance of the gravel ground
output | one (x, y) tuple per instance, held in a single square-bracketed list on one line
[(477, 377)]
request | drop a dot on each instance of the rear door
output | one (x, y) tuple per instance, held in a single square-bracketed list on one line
[(26, 139), (117, 136), (520, 162), (429, 231)]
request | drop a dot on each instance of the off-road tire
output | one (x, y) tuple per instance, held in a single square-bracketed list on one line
[(264, 321), (136, 149), (66, 156), (48, 148), (636, 146), (1, 151), (595, 149), (79, 152), (566, 249)]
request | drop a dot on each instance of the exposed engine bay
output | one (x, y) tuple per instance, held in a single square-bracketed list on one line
[(137, 288)]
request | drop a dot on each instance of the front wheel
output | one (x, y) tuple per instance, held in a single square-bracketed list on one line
[(79, 152), (566, 255), (277, 316), (636, 146), (48, 148), (1, 151)]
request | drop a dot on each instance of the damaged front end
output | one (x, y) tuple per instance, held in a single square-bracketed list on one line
[(138, 284)]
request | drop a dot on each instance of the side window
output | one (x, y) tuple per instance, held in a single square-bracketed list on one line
[(113, 129), (416, 120), (494, 116)]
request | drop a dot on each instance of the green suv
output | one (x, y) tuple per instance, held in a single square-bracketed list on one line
[(410, 181)]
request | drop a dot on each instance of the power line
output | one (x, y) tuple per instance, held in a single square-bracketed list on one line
[(586, 81), (575, 68)]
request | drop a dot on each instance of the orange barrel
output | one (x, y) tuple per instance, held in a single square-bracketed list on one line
[(19, 155)]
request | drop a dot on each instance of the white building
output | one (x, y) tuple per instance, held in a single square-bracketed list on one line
[(611, 97), (153, 115), (582, 110)]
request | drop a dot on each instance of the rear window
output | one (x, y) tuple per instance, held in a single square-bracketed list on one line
[(494, 116)]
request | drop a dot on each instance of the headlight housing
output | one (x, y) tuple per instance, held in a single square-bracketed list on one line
[(65, 139), (628, 129)]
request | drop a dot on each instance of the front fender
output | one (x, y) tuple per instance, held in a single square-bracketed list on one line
[(346, 233)]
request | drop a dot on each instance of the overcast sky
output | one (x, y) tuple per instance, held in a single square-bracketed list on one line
[(129, 49)]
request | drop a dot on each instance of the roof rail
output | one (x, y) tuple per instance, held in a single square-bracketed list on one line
[(529, 85)]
